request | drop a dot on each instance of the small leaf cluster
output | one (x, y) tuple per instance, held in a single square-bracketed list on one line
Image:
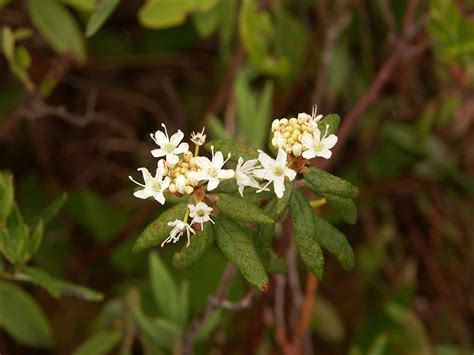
[(20, 315)]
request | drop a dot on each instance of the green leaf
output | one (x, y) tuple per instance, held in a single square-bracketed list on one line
[(4, 3), (282, 203), (235, 149), (164, 289), (6, 195), (379, 345), (183, 304), (81, 5), (158, 14), (236, 244), (22, 33), (333, 240), (332, 123), (241, 210), (17, 58), (345, 207), (157, 231), (58, 27), (305, 234), (198, 246), (216, 128), (58, 288), (34, 241), (52, 210), (206, 22), (263, 239), (13, 238), (22, 319), (102, 11), (101, 343), (322, 182)]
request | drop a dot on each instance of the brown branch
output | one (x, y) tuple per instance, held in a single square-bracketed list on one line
[(245, 302), (280, 327), (212, 306)]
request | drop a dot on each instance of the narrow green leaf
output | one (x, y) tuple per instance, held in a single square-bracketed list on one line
[(206, 22), (52, 210), (322, 182), (345, 207), (283, 202), (164, 289), (332, 123), (58, 27), (34, 241), (335, 242), (22, 318), (216, 128), (235, 149), (14, 237), (157, 231), (198, 246), (158, 14), (102, 11), (236, 244), (263, 116), (81, 5), (263, 239), (183, 304), (57, 287), (101, 343), (241, 210), (22, 57), (22, 33), (6, 195), (305, 234), (379, 345)]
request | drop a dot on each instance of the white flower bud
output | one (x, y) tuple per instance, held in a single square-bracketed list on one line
[(187, 155), (172, 188), (297, 149), (275, 125), (283, 121), (293, 121), (188, 190)]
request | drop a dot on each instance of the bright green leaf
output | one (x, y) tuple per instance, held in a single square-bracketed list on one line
[(305, 234), (157, 231), (6, 195), (235, 149), (206, 22), (236, 244), (322, 182), (34, 241), (334, 241), (216, 128), (282, 203), (81, 5), (101, 343), (22, 319), (102, 11), (14, 237), (158, 14), (241, 210), (58, 27), (198, 246)]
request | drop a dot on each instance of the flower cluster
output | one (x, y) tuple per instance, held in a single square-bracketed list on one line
[(302, 136), (182, 172)]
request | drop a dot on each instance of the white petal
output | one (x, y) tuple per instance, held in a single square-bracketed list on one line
[(330, 141), (183, 147), (308, 154), (325, 153), (281, 157), (279, 186), (176, 138), (203, 162), (218, 160), (265, 159), (290, 173), (225, 174), (160, 138), (241, 190), (263, 174), (307, 140), (144, 194), (212, 184), (157, 153), (146, 175), (159, 197), (172, 159)]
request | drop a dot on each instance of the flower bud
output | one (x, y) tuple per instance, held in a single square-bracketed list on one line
[(293, 121), (187, 155), (275, 125), (283, 121), (297, 148), (188, 190), (172, 188)]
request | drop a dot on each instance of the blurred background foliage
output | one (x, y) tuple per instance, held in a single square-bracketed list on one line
[(85, 81)]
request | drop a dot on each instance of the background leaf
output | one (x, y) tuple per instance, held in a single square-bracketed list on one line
[(101, 343), (241, 210), (198, 246), (102, 11)]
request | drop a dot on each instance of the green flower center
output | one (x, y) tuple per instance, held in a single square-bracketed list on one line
[(201, 213), (318, 146), (212, 172), (156, 186), (169, 147), (278, 171)]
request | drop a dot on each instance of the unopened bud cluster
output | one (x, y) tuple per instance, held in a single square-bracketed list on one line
[(182, 174), (287, 133)]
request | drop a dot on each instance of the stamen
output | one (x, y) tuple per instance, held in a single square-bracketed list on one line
[(153, 137), (166, 131), (136, 182)]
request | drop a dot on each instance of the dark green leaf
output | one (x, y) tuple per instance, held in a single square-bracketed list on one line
[(236, 149), (6, 195), (263, 239), (101, 343), (156, 232), (283, 202), (236, 244), (56, 287), (164, 289), (22, 319), (241, 210), (332, 122), (14, 237), (198, 246), (183, 304), (58, 27), (333, 240), (305, 234), (52, 210), (345, 207), (322, 182), (34, 240), (102, 11)]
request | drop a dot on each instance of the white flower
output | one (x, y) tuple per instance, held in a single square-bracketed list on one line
[(169, 147), (154, 185), (200, 213), (179, 227), (180, 184), (274, 171), (212, 170), (198, 138), (244, 174), (317, 146)]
